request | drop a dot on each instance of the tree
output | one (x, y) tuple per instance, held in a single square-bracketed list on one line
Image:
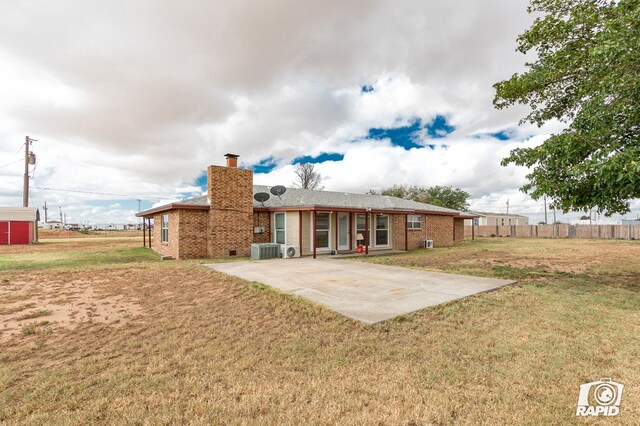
[(443, 196), (586, 75), (307, 177)]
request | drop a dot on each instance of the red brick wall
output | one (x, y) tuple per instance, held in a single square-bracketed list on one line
[(262, 219), (398, 223), (439, 229), (169, 248), (458, 229), (193, 234), (230, 191)]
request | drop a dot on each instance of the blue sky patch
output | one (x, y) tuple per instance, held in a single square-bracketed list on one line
[(406, 136), (325, 156), (400, 136), (439, 127), (201, 181), (264, 166), (501, 135)]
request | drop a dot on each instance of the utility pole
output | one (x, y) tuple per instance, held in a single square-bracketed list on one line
[(507, 206), (545, 210), (45, 208), (29, 158)]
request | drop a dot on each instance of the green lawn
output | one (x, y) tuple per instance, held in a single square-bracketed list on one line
[(189, 345)]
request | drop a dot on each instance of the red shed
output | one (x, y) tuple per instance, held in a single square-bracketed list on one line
[(18, 225)]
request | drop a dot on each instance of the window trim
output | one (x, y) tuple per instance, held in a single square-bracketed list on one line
[(411, 223), (276, 229), (388, 229), (328, 231), (164, 228)]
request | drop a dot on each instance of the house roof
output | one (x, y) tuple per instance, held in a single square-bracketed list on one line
[(18, 213), (196, 203), (295, 198)]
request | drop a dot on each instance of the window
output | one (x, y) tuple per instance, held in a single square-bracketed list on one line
[(164, 230), (476, 221), (279, 228), (360, 229), (322, 230), (382, 230), (414, 221), (502, 219)]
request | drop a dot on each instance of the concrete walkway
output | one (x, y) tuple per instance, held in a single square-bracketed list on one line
[(362, 291)]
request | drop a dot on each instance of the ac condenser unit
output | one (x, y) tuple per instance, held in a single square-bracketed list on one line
[(427, 244), (289, 252)]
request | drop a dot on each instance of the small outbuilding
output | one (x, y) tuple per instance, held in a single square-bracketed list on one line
[(18, 225)]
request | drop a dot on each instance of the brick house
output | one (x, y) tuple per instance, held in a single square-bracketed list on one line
[(228, 220)]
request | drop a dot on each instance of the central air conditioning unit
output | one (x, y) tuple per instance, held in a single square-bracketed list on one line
[(265, 251), (427, 244), (289, 252)]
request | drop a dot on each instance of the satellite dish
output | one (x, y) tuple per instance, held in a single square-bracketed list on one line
[(261, 197), (278, 190)]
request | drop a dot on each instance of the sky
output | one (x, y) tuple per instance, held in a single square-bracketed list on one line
[(130, 101)]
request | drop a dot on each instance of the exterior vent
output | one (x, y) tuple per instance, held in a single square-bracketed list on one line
[(265, 251), (258, 230), (289, 252), (427, 244)]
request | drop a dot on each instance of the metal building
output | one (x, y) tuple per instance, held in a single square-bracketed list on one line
[(18, 225)]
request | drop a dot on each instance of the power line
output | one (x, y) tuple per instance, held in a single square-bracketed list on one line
[(100, 193), (13, 162)]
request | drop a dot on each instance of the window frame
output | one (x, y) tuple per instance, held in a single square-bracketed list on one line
[(323, 230), (276, 230), (411, 223), (387, 229), (164, 228)]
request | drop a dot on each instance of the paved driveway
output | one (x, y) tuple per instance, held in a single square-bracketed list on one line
[(362, 291)]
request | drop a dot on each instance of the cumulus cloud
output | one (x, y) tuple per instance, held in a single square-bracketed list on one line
[(132, 100)]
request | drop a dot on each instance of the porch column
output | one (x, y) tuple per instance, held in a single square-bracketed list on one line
[(473, 230), (351, 231), (313, 232), (144, 232), (336, 219), (149, 228), (366, 233), (406, 232), (300, 231)]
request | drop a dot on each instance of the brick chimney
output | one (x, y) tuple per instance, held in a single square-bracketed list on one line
[(232, 160), (230, 191)]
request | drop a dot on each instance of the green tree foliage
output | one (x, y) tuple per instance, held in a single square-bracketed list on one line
[(443, 196), (587, 75)]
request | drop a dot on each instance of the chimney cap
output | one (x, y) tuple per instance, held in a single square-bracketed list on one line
[(231, 155)]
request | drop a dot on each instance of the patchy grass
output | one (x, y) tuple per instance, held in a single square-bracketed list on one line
[(77, 254), (35, 314), (210, 348)]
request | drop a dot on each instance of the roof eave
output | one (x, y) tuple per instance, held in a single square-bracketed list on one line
[(172, 206)]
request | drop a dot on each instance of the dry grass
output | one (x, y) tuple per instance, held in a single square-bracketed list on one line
[(208, 348)]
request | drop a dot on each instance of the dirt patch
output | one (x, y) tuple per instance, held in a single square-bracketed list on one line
[(51, 304)]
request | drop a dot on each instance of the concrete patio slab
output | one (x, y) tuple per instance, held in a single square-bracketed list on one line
[(362, 291)]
